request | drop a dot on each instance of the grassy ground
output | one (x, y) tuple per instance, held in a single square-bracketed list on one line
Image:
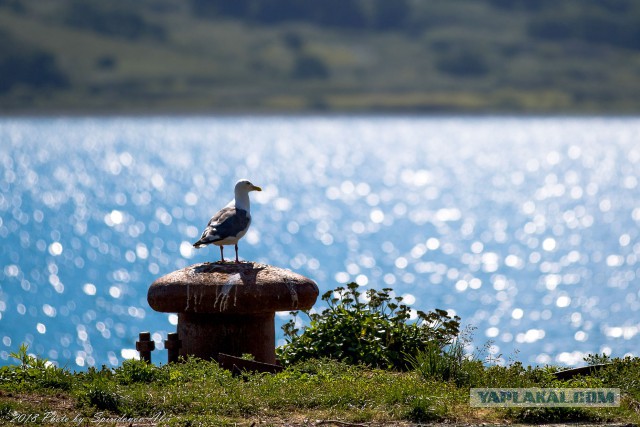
[(310, 393)]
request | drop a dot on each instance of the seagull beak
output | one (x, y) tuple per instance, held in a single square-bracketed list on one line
[(256, 188)]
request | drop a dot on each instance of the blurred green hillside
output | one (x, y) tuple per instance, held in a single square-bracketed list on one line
[(157, 56)]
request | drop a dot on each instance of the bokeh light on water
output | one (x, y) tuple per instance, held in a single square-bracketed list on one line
[(526, 228)]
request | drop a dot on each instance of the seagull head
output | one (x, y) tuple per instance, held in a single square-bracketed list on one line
[(245, 186)]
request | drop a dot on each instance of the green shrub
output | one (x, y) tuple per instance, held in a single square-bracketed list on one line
[(139, 371), (463, 62), (447, 363), (421, 410), (375, 332), (596, 359), (516, 375), (549, 415), (623, 373), (29, 66), (309, 67), (127, 24), (6, 409), (102, 394)]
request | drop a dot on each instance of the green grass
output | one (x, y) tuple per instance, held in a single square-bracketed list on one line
[(201, 393)]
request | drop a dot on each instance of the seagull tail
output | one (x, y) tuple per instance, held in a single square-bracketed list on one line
[(199, 244)]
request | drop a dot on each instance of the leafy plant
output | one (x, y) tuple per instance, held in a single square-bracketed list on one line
[(421, 410), (441, 363), (26, 360), (596, 359), (373, 330), (139, 371), (623, 373), (34, 372), (102, 394)]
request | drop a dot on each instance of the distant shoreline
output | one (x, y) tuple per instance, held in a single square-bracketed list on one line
[(484, 57), (306, 113)]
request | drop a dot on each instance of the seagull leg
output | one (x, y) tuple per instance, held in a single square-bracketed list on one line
[(237, 260), (221, 253)]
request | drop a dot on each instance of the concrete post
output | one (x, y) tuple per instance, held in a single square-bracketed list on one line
[(172, 344), (145, 346)]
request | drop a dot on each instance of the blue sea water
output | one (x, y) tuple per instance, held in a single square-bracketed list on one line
[(527, 228)]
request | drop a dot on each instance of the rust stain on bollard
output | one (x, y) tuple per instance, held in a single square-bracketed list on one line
[(145, 346), (230, 308)]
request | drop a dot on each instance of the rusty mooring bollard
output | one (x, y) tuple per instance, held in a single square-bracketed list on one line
[(145, 346), (172, 344), (230, 308)]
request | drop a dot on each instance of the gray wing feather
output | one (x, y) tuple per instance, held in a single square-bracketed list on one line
[(227, 222)]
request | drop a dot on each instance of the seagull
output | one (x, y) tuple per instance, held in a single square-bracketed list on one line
[(231, 222)]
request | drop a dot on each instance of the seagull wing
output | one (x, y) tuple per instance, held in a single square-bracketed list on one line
[(228, 222)]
